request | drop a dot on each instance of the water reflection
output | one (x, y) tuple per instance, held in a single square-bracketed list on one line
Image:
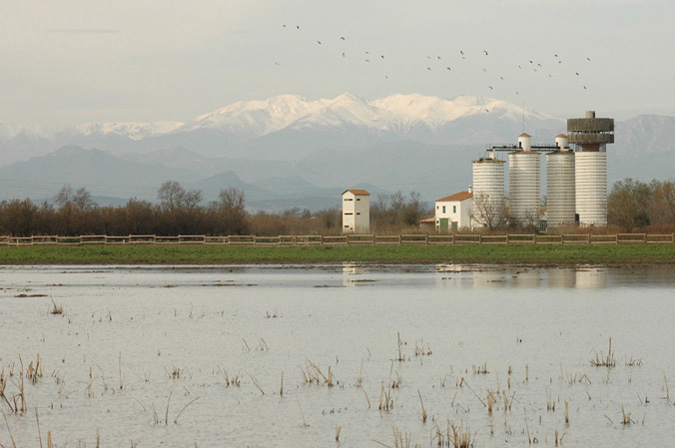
[(497, 277)]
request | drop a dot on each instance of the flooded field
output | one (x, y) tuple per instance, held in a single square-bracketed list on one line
[(337, 355)]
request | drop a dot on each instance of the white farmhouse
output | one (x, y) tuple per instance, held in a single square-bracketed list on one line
[(454, 212), (355, 211)]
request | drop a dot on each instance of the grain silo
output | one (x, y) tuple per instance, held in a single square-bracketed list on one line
[(560, 191), (524, 183), (488, 191), (590, 135)]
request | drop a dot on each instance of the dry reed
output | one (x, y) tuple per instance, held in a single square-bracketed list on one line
[(567, 412), (424, 411), (605, 361), (56, 309)]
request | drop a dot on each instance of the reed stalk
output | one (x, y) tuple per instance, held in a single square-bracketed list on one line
[(424, 411), (175, 420), (9, 430), (37, 419), (281, 389), (166, 417)]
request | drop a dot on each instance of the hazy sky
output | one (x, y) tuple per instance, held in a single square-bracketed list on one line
[(72, 61)]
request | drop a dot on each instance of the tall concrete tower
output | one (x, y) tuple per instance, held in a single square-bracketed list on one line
[(525, 182), (488, 191), (561, 199), (590, 136)]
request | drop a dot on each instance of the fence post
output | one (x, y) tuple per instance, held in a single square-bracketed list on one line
[(644, 236), (480, 239), (400, 239), (426, 239), (589, 239)]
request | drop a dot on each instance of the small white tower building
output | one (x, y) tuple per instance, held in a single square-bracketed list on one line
[(355, 211)]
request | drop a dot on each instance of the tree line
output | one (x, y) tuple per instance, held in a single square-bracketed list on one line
[(182, 212), (73, 212), (632, 206)]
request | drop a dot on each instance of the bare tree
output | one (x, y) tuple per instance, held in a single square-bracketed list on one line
[(64, 196), (487, 212), (82, 199), (174, 197)]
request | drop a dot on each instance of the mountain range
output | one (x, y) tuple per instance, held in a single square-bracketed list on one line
[(289, 152)]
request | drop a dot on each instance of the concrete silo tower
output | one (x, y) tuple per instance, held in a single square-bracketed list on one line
[(560, 200), (590, 136), (524, 182), (488, 191)]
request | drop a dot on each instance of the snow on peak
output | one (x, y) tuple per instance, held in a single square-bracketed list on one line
[(134, 131), (258, 117)]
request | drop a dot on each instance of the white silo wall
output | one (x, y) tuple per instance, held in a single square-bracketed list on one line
[(524, 186), (591, 187), (560, 192), (488, 191)]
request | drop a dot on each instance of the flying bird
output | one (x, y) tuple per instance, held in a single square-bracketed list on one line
[(344, 55), (461, 52), (584, 87), (429, 68), (490, 87), (342, 38), (449, 68), (577, 73), (297, 27), (588, 59), (318, 42), (382, 56), (485, 51)]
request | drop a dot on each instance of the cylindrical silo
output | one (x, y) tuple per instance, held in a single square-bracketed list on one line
[(591, 187), (488, 192), (590, 135), (524, 187), (560, 191)]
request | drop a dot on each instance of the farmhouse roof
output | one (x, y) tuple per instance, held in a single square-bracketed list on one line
[(358, 192), (459, 197)]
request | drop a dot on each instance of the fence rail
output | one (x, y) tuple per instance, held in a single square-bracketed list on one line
[(419, 239)]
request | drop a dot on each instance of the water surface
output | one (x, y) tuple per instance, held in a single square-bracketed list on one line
[(131, 340)]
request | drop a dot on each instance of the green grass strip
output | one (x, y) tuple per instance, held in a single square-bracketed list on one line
[(538, 254)]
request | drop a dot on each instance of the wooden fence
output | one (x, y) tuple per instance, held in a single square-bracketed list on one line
[(340, 240)]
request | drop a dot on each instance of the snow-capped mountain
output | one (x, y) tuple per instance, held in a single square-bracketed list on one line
[(289, 127), (133, 131)]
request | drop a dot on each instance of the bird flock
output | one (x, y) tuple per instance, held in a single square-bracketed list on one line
[(476, 64)]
